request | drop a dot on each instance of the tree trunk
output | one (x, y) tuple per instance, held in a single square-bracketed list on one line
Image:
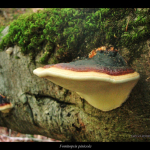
[(41, 107)]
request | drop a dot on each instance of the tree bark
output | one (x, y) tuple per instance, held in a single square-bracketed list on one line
[(41, 107)]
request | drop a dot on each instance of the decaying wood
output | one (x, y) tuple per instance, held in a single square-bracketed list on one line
[(6, 138), (41, 107)]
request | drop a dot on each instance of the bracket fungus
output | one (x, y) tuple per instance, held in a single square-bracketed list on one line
[(5, 105), (104, 79)]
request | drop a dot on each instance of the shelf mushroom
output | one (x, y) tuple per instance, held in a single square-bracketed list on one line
[(104, 79), (5, 105)]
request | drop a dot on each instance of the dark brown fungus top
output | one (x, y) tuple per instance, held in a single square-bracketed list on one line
[(101, 60)]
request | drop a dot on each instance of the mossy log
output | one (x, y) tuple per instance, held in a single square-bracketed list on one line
[(41, 107)]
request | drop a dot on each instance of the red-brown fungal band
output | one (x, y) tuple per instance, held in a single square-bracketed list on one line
[(92, 53), (48, 66), (4, 104), (110, 71), (102, 60), (102, 48)]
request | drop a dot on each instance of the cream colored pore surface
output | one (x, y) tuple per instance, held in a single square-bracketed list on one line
[(102, 91)]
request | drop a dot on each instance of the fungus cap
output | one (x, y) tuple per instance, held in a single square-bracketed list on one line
[(104, 79), (5, 105)]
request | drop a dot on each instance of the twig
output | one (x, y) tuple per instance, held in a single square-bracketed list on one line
[(127, 23), (4, 13), (9, 132)]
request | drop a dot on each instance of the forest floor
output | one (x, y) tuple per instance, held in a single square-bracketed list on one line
[(7, 15), (8, 135)]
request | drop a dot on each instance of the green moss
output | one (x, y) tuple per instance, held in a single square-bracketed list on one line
[(1, 29), (77, 31), (17, 57)]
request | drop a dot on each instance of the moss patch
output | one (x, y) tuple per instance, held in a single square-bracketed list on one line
[(62, 34), (1, 29)]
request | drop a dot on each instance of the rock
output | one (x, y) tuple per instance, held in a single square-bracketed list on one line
[(9, 51), (4, 32)]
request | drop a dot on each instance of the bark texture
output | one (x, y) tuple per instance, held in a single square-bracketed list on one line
[(41, 107)]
